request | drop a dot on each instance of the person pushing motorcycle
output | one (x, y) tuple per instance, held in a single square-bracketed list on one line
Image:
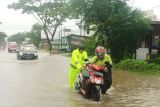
[(77, 61), (101, 59)]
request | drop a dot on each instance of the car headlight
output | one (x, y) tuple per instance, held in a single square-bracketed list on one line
[(35, 54), (20, 53)]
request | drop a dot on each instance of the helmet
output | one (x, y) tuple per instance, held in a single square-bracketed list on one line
[(100, 51)]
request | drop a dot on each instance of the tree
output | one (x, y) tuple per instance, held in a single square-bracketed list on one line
[(117, 26), (90, 45), (49, 13), (35, 34), (19, 37), (2, 37)]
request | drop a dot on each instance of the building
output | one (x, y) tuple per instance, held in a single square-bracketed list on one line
[(151, 45), (72, 41), (154, 49), (67, 37), (68, 43)]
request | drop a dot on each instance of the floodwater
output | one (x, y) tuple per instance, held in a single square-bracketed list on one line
[(44, 83)]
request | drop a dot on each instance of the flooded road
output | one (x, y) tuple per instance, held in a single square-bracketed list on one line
[(44, 83)]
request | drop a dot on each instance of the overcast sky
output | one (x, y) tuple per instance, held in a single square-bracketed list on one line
[(14, 22)]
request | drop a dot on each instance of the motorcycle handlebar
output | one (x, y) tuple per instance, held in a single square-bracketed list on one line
[(108, 65)]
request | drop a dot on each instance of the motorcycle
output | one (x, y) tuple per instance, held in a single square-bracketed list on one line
[(90, 81)]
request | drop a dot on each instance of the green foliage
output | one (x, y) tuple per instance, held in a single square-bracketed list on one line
[(155, 61), (35, 34), (2, 37), (90, 45), (19, 38), (118, 26), (127, 36), (138, 66), (49, 13)]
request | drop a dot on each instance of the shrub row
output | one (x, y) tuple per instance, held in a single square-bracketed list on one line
[(155, 61), (138, 66)]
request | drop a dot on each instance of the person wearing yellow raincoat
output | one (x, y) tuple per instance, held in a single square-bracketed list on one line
[(101, 59), (77, 61)]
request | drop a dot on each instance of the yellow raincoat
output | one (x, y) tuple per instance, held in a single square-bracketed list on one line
[(77, 61), (106, 58), (107, 76)]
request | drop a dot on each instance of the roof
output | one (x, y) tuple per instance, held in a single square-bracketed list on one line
[(75, 35)]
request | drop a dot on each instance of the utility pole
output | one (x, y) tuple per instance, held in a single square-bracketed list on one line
[(81, 26), (61, 36)]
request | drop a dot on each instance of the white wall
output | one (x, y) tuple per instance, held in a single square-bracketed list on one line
[(141, 53)]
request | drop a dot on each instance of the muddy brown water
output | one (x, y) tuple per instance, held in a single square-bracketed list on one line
[(44, 83)]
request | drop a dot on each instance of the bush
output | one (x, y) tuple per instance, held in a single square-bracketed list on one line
[(138, 66), (155, 61)]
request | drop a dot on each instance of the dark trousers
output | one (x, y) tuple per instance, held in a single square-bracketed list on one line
[(107, 76)]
